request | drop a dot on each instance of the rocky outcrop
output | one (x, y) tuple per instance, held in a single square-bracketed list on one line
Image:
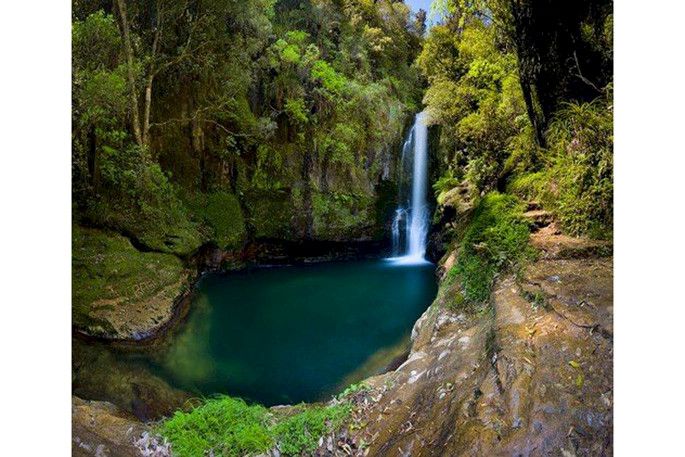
[(531, 377), (99, 429), (121, 292)]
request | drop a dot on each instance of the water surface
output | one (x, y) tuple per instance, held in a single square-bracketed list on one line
[(271, 335), (291, 334)]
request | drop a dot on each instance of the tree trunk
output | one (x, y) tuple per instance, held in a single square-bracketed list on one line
[(128, 50), (148, 108), (151, 77), (92, 158)]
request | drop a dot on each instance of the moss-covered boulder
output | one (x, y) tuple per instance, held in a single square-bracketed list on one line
[(119, 291)]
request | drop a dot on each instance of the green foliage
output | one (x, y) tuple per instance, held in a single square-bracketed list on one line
[(96, 42), (243, 100), (229, 427), (221, 215), (270, 214), (225, 216), (299, 434), (444, 184), (503, 92), (352, 389), (339, 215), (577, 181), (142, 202), (439, 58), (475, 96), (496, 240)]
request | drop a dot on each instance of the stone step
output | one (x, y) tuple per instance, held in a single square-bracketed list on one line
[(539, 218), (532, 206)]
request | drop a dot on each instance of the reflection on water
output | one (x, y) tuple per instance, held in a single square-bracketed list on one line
[(278, 335)]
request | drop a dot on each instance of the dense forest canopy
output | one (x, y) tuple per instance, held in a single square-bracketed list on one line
[(220, 120), (211, 120)]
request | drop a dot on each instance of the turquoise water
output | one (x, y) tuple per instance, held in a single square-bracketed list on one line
[(291, 334)]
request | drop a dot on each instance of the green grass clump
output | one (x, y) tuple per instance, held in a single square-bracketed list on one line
[(226, 425), (496, 240), (231, 428)]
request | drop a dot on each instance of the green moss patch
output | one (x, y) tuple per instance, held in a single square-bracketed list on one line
[(270, 214), (341, 216), (221, 217), (496, 240)]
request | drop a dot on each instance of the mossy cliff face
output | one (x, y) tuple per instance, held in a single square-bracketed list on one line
[(293, 193), (131, 266)]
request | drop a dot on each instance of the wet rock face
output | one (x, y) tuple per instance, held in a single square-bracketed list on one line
[(532, 378)]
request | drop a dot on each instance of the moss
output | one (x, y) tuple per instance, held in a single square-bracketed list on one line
[(224, 215), (341, 216), (496, 240), (220, 216), (270, 214), (107, 269), (230, 427)]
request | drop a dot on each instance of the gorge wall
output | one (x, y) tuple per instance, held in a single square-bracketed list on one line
[(225, 133)]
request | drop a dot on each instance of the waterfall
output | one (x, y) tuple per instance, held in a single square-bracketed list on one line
[(413, 213)]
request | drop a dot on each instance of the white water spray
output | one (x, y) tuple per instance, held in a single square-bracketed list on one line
[(414, 217)]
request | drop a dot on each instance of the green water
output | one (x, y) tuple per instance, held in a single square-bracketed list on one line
[(291, 334)]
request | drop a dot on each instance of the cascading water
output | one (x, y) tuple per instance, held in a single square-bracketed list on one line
[(412, 214)]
